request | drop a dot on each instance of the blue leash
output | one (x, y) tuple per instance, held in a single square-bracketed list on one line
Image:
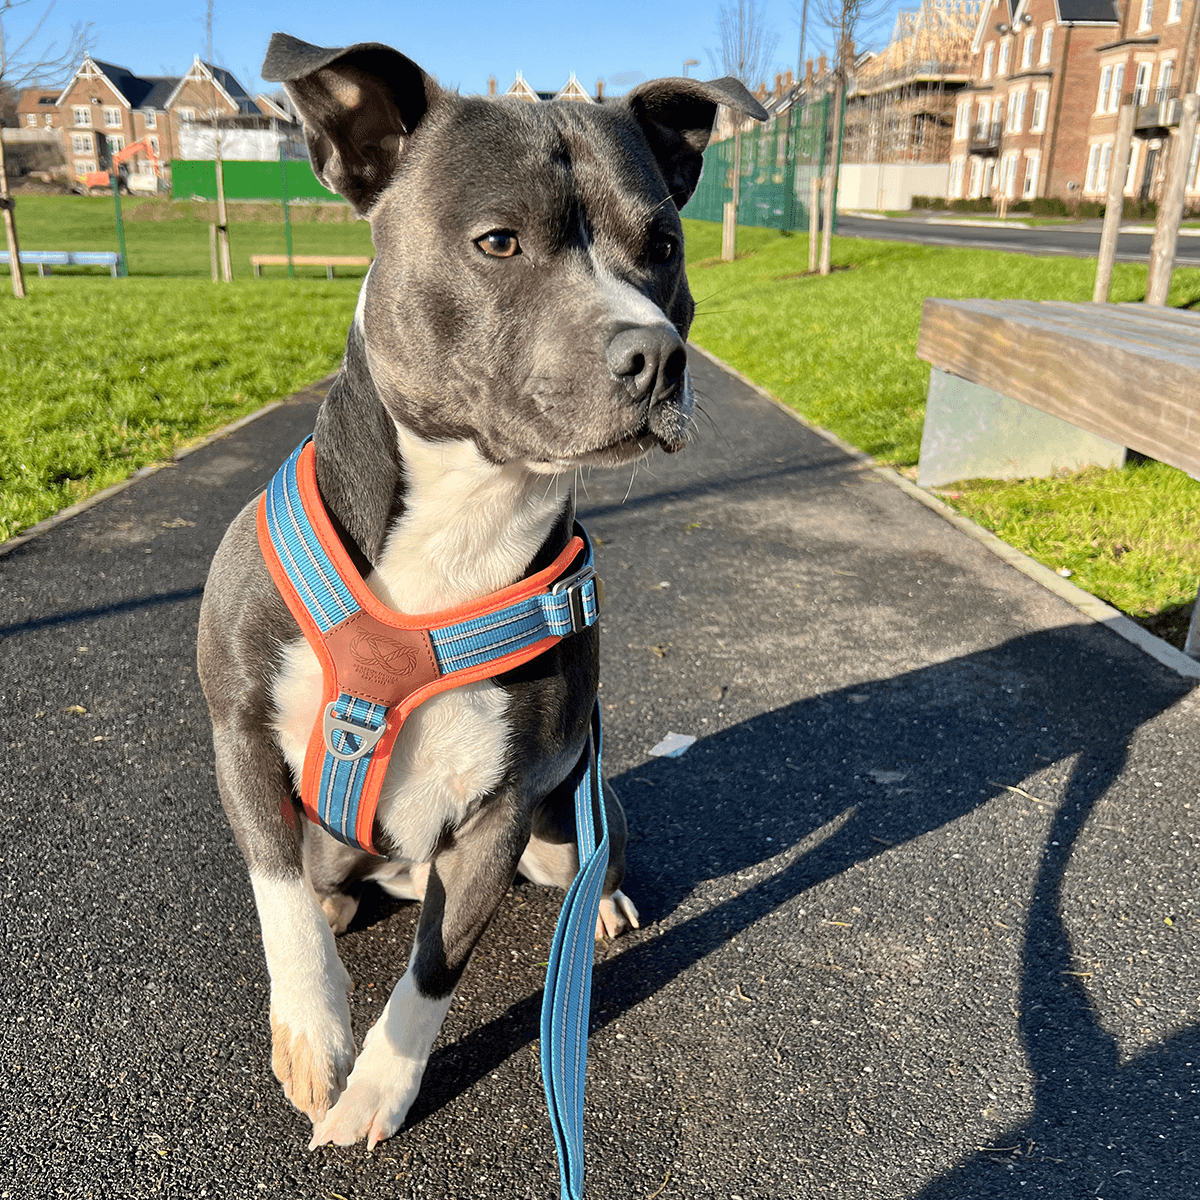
[(569, 974)]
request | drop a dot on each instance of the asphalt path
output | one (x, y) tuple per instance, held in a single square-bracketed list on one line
[(1077, 241), (920, 905)]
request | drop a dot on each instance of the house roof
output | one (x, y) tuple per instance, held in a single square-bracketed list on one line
[(1098, 12)]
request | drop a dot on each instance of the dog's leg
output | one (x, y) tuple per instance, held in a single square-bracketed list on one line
[(552, 856), (467, 880), (312, 1044)]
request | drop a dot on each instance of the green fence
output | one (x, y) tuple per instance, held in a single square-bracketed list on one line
[(778, 165), (193, 179)]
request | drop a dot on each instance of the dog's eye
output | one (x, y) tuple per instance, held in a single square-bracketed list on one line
[(500, 243), (662, 251)]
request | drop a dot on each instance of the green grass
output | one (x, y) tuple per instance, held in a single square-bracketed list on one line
[(101, 376), (179, 244), (841, 350)]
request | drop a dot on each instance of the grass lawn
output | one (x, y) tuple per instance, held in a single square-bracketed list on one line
[(101, 376), (841, 350)]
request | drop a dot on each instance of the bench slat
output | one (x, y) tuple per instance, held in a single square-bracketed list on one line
[(1140, 394)]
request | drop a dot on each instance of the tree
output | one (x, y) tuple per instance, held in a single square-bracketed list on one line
[(30, 61), (747, 52), (845, 20)]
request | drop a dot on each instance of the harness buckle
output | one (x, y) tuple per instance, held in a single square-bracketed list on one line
[(573, 586), (367, 738)]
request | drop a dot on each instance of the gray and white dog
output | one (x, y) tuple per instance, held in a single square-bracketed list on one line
[(525, 315)]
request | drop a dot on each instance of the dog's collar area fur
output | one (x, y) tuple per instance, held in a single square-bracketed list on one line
[(377, 665)]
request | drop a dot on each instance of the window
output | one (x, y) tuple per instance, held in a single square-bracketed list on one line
[(1041, 101), (982, 128), (1009, 178), (187, 115), (1147, 16), (49, 120), (1093, 168), (112, 118), (962, 121), (84, 168), (115, 142), (1005, 50), (1191, 171), (153, 143), (1016, 112), (82, 116), (31, 119), (954, 190), (976, 168), (1105, 88), (1047, 43), (1141, 89), (1106, 152), (1175, 12), (81, 143), (150, 118), (1165, 73), (989, 56), (1118, 81), (1033, 164), (1131, 174), (1027, 52)]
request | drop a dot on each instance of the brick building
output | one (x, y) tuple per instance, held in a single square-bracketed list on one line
[(1047, 80), (103, 98)]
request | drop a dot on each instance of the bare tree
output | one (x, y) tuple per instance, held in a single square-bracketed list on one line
[(747, 52), (24, 64), (847, 21)]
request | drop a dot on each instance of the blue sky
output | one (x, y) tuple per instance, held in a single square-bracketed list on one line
[(620, 41)]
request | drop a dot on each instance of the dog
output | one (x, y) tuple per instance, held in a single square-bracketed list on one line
[(525, 316)]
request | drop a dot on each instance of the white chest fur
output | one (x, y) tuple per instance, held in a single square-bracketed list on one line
[(468, 528)]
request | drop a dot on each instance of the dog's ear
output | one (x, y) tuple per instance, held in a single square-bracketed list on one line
[(359, 103), (677, 115)]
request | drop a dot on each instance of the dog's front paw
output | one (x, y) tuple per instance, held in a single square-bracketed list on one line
[(617, 914), (312, 1051), (377, 1098)]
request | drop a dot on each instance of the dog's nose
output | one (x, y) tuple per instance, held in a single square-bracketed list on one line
[(650, 359)]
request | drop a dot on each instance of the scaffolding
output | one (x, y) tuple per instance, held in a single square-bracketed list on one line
[(901, 101)]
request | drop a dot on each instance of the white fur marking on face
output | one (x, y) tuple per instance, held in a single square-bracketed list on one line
[(623, 301), (387, 1076)]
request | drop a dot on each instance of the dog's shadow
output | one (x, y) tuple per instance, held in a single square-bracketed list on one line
[(853, 772)]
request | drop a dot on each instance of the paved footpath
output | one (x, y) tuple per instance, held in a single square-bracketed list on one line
[(921, 903)]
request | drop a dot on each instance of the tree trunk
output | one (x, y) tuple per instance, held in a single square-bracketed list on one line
[(839, 96), (10, 231)]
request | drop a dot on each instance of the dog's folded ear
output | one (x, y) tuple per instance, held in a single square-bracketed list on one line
[(359, 103), (677, 115)]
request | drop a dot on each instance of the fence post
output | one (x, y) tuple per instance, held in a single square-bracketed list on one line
[(1114, 204), (814, 221), (728, 231)]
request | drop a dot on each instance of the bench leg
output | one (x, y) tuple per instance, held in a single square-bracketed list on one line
[(329, 271), (1191, 644), (257, 270), (41, 270)]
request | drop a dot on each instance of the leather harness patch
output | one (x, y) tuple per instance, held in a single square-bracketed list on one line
[(379, 662)]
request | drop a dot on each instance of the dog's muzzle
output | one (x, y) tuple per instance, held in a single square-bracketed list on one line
[(651, 362)]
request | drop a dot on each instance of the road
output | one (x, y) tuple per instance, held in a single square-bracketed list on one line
[(1077, 241), (921, 906)]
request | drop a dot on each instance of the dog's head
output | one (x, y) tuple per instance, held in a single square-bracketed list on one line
[(528, 290)]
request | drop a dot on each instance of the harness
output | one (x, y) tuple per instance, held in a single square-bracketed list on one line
[(378, 665)]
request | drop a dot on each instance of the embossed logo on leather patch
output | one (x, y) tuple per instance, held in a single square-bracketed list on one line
[(383, 653)]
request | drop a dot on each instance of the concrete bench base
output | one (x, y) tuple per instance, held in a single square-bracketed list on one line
[(972, 432)]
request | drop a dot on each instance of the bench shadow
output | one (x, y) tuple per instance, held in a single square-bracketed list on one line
[(807, 791)]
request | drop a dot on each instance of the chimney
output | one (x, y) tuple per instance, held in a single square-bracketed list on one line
[(822, 67), (599, 89), (491, 85), (808, 75), (789, 79), (760, 92), (778, 83)]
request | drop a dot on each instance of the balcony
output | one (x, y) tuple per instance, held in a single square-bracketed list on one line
[(985, 139), (1155, 110)]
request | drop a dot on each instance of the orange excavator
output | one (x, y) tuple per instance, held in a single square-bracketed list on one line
[(99, 179)]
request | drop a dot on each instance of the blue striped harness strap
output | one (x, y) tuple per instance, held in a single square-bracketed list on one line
[(378, 665)]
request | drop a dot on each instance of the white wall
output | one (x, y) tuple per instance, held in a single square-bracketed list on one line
[(245, 145), (880, 186)]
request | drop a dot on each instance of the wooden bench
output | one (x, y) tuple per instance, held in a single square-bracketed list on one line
[(328, 261), (1021, 388), (47, 260)]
